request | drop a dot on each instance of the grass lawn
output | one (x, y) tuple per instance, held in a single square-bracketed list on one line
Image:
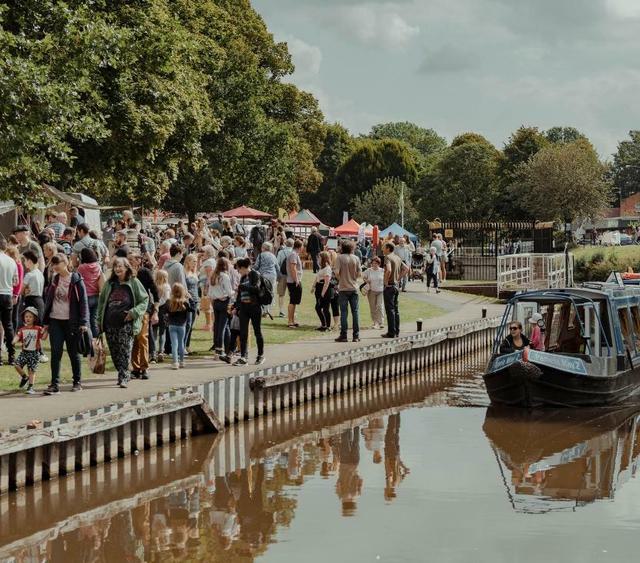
[(275, 332), (630, 252)]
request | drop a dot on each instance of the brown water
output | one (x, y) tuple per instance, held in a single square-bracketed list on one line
[(397, 472)]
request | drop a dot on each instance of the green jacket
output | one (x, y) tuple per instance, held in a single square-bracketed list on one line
[(140, 302)]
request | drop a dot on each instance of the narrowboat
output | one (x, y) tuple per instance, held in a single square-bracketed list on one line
[(560, 459), (588, 351)]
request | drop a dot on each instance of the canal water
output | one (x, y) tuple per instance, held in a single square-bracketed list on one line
[(419, 469)]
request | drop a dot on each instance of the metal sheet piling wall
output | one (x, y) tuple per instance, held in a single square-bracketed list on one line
[(69, 444)]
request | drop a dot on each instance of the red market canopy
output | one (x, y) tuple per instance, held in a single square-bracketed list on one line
[(245, 212), (351, 229)]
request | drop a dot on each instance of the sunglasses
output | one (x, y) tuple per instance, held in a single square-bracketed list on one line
[(514, 328)]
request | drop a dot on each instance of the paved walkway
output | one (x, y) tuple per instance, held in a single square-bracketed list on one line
[(19, 409)]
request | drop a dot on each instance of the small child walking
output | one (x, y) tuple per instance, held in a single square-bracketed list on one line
[(29, 335), (179, 311)]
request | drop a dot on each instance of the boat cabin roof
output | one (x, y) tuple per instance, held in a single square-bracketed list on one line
[(592, 291)]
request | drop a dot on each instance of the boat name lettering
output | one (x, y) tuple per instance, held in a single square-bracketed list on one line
[(575, 365), (503, 361)]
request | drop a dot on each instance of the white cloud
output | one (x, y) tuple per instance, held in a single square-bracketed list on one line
[(624, 8), (307, 58), (374, 24)]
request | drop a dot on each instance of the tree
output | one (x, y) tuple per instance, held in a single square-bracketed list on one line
[(426, 142), (564, 183), (626, 166), (563, 135), (370, 162), (519, 149), (464, 182), (337, 146), (381, 204)]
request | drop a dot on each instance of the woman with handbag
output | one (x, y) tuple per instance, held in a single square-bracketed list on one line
[(122, 305), (324, 292), (220, 292), (374, 279)]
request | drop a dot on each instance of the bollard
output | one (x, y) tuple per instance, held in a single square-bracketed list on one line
[(484, 312)]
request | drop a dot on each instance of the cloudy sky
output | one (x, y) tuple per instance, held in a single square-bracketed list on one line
[(460, 65)]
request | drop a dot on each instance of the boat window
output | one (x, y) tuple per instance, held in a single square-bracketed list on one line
[(625, 328), (555, 312), (635, 317)]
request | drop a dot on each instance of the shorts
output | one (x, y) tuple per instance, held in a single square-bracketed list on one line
[(295, 293), (29, 358), (282, 286)]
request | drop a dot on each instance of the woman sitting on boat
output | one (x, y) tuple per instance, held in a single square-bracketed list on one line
[(537, 332), (515, 340)]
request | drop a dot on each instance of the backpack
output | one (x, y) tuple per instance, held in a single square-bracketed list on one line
[(265, 296), (283, 266)]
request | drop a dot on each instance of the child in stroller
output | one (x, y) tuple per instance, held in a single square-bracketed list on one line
[(417, 266)]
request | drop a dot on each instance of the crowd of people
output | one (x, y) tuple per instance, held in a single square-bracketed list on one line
[(141, 289)]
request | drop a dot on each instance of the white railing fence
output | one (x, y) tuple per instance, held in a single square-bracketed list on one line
[(534, 271)]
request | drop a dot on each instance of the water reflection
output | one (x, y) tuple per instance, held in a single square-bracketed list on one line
[(558, 460)]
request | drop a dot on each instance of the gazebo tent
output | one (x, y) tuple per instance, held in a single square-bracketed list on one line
[(304, 217), (351, 229), (396, 229), (245, 212)]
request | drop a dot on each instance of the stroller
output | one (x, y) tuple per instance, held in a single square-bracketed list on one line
[(417, 266)]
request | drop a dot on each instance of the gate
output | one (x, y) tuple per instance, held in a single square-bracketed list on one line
[(476, 245)]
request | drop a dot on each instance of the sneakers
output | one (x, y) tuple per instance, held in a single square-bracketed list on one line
[(342, 339), (241, 361), (356, 339), (44, 358), (181, 364), (259, 360), (160, 358), (144, 375), (76, 387), (23, 381), (30, 390), (225, 358), (175, 365), (135, 375), (281, 315), (123, 383), (52, 390)]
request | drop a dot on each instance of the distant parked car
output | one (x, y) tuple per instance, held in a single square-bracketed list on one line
[(625, 239)]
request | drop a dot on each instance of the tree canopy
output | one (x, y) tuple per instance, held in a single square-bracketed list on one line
[(626, 165), (381, 204), (564, 183)]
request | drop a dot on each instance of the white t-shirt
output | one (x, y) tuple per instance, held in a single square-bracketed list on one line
[(35, 281), (323, 273), (375, 279), (8, 272)]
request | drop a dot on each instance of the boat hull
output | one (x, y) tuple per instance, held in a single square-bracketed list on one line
[(524, 384)]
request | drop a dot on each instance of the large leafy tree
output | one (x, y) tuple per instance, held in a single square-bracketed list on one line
[(370, 162), (560, 134), (381, 205), (337, 146), (626, 166), (426, 142), (519, 149), (463, 183), (565, 183)]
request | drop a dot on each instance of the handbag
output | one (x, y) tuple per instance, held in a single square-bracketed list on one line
[(364, 289), (98, 360)]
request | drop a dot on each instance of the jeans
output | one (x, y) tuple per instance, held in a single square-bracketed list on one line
[(176, 335), (221, 329), (391, 309), (251, 313), (191, 322), (93, 313), (316, 264), (349, 299), (6, 316), (323, 306), (61, 333)]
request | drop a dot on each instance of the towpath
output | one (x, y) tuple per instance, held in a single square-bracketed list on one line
[(17, 409)]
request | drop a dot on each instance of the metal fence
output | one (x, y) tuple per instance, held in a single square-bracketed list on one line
[(477, 245), (534, 271)]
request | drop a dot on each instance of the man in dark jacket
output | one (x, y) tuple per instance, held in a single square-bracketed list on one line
[(248, 309), (314, 247)]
